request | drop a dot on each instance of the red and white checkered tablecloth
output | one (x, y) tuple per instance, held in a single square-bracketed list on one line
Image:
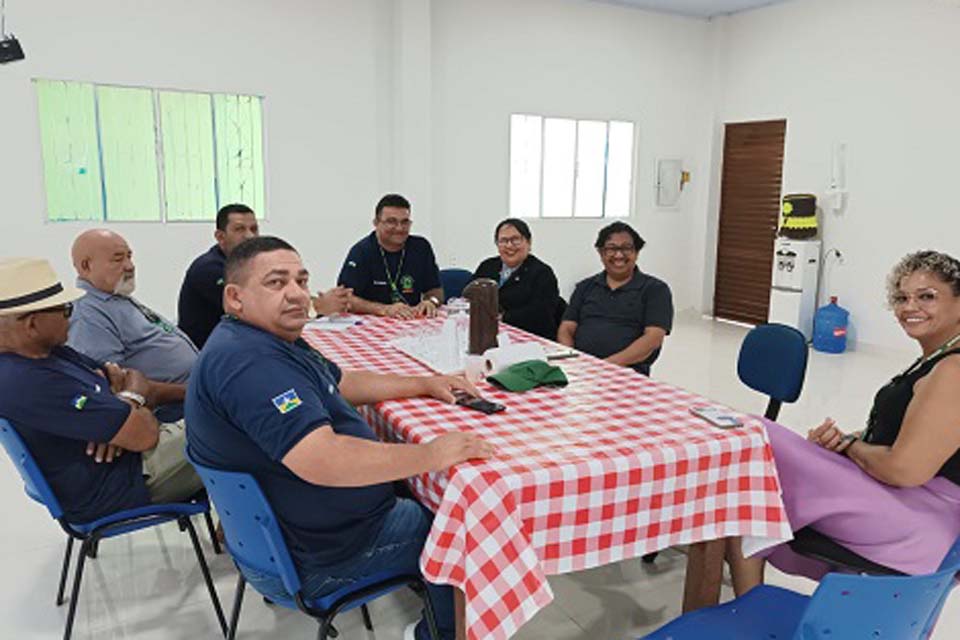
[(610, 467)]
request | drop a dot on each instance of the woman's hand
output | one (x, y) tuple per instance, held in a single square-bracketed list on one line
[(828, 436)]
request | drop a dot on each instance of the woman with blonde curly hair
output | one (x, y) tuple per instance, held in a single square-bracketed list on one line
[(890, 493)]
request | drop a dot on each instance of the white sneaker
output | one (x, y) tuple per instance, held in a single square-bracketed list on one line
[(410, 632)]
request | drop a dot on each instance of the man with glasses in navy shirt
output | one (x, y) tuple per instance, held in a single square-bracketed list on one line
[(262, 401), (89, 425), (391, 272)]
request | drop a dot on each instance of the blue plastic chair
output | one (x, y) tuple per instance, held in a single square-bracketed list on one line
[(91, 533), (453, 281), (773, 361), (254, 540), (843, 607)]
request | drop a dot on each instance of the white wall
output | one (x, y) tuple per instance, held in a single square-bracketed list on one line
[(881, 77), (415, 95), (369, 96), (326, 69), (574, 59)]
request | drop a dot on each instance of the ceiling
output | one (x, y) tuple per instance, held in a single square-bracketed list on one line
[(695, 8)]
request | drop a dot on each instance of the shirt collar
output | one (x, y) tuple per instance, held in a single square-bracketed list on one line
[(95, 292), (257, 332), (372, 238), (633, 283)]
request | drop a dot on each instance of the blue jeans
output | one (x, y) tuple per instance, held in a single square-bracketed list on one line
[(398, 545)]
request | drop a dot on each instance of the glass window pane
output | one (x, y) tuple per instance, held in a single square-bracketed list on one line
[(186, 126), (619, 170), (526, 138), (68, 140), (128, 145), (559, 144), (591, 158), (239, 146)]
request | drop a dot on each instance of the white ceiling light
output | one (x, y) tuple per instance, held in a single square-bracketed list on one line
[(695, 8)]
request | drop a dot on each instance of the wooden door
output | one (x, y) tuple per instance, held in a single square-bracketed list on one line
[(749, 211)]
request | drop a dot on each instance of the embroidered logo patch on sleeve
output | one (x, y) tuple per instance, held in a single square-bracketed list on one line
[(79, 402), (287, 401)]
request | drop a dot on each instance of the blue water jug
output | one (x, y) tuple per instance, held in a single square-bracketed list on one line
[(830, 327)]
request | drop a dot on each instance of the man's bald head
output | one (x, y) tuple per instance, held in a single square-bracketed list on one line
[(104, 259)]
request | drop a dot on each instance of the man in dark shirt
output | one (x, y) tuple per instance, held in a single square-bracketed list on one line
[(391, 272), (263, 401), (200, 305), (201, 296), (76, 416), (620, 314)]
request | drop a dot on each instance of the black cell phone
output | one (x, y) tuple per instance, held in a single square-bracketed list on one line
[(478, 404)]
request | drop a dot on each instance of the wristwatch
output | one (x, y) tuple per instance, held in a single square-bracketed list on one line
[(434, 300), (132, 396), (849, 438)]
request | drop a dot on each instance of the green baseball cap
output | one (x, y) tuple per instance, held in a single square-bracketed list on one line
[(526, 375)]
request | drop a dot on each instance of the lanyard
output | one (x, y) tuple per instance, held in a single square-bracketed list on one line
[(923, 360), (395, 294)]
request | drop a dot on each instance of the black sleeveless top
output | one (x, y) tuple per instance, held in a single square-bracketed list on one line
[(890, 405)]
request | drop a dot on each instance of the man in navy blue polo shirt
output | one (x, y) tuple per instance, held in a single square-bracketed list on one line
[(200, 305), (260, 400), (391, 272), (620, 314), (77, 416)]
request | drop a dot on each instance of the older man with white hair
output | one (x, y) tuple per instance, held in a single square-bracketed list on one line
[(110, 325)]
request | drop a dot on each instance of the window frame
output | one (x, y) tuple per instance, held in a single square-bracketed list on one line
[(155, 93), (631, 207)]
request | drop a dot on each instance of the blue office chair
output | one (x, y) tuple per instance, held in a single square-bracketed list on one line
[(843, 606), (773, 361), (453, 281), (254, 540), (91, 533)]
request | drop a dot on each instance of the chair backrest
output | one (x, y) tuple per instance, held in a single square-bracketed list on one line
[(951, 562), (559, 311), (852, 606), (34, 483), (453, 281), (251, 529), (773, 361)]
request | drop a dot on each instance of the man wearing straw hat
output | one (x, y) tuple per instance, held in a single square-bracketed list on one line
[(90, 426)]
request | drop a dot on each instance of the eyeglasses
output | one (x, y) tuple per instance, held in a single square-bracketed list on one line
[(926, 298), (66, 309), (394, 223), (512, 241), (611, 250)]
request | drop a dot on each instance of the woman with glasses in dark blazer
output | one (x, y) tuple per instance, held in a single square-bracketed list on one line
[(529, 297)]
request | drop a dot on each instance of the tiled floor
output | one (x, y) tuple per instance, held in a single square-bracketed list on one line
[(148, 586)]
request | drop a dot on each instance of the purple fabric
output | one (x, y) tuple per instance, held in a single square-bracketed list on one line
[(907, 529)]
